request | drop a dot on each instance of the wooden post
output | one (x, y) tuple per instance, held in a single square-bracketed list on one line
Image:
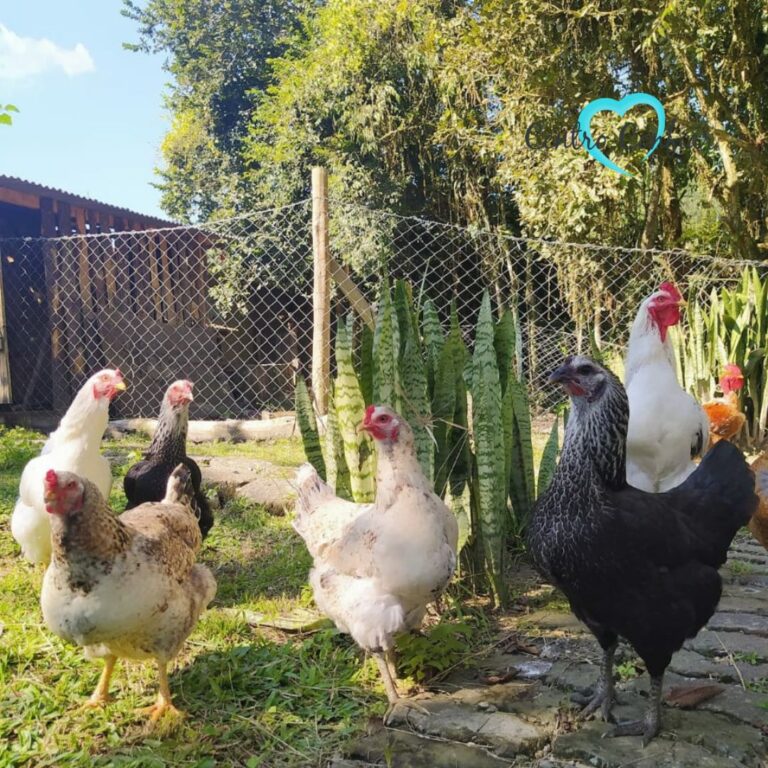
[(321, 295)]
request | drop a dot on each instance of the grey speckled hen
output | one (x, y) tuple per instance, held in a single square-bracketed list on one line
[(633, 565), (146, 480)]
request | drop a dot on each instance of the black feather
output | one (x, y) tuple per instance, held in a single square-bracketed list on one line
[(636, 565), (147, 479)]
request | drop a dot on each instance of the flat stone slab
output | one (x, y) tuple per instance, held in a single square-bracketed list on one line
[(238, 471), (501, 733), (751, 623), (402, 749), (258, 481), (721, 744), (691, 664), (711, 643)]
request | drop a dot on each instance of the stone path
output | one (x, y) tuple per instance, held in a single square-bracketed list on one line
[(529, 721)]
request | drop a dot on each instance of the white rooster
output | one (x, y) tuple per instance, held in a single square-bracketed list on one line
[(377, 566), (73, 447), (667, 427)]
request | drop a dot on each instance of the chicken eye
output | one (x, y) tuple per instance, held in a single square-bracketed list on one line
[(584, 369), (383, 419)]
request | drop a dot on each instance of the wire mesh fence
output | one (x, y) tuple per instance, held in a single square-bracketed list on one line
[(228, 304)]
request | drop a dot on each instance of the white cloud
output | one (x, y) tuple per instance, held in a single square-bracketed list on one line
[(21, 57)]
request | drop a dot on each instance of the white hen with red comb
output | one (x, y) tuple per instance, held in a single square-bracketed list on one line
[(73, 447), (377, 566), (667, 427)]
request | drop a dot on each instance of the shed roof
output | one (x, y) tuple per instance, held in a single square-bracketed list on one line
[(27, 194)]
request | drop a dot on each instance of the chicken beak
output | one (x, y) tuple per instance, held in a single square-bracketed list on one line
[(121, 386), (561, 375)]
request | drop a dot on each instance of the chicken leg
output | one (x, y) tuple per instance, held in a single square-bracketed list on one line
[(649, 726), (164, 701), (604, 697), (383, 661), (100, 696)]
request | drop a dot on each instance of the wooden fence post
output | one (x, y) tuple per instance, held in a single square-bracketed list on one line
[(321, 295)]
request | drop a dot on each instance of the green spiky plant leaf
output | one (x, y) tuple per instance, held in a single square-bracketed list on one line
[(489, 450), (386, 352), (349, 407), (336, 463), (305, 417)]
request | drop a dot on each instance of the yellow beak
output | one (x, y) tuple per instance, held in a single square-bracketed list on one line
[(121, 386)]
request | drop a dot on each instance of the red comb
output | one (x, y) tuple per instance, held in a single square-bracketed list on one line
[(368, 413), (671, 289), (51, 479), (118, 373)]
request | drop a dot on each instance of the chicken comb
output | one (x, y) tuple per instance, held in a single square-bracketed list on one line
[(368, 413), (671, 289), (51, 479)]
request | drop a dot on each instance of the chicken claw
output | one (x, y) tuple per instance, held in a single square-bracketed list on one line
[(400, 702), (164, 703), (604, 697), (649, 726), (101, 696)]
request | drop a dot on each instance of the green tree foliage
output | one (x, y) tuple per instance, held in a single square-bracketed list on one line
[(218, 55), (423, 106)]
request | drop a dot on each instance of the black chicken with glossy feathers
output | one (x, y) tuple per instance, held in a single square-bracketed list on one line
[(633, 565), (147, 479)]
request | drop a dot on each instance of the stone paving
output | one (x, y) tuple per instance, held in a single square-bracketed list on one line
[(530, 720)]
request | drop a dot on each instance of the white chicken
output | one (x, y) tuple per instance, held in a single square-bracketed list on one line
[(127, 586), (377, 566), (73, 447), (667, 427)]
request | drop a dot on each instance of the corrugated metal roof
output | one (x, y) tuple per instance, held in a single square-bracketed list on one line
[(31, 188)]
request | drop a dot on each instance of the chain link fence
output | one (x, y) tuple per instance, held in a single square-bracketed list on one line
[(228, 304)]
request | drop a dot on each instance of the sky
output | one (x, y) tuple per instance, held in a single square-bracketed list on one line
[(91, 116)]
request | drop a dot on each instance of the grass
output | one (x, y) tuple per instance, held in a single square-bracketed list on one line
[(252, 697)]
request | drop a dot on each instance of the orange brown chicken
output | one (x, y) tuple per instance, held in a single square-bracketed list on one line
[(725, 418)]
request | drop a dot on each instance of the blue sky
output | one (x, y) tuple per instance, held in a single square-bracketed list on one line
[(92, 117)]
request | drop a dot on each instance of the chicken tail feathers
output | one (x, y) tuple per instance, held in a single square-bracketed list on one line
[(180, 489), (311, 490), (725, 485)]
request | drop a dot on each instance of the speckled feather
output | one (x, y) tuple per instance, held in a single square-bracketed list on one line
[(126, 586), (146, 480)]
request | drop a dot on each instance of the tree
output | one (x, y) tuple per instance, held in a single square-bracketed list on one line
[(218, 55)]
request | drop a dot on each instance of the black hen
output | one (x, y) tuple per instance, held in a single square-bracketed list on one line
[(147, 479), (633, 565)]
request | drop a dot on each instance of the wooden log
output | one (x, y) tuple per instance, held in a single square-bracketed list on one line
[(321, 294), (59, 365), (352, 293)]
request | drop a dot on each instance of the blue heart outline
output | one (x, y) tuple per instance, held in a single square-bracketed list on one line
[(620, 108)]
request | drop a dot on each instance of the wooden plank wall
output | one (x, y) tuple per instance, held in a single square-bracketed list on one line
[(146, 278)]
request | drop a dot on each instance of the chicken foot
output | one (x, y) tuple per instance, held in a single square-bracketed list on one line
[(100, 696), (649, 726), (383, 660), (604, 697), (164, 702)]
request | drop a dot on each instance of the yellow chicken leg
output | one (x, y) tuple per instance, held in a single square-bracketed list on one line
[(164, 701), (100, 696), (393, 695)]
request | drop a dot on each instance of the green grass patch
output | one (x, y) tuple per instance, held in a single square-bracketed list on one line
[(252, 697)]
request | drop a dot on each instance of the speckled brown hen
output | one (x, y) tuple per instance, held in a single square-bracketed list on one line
[(127, 586)]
